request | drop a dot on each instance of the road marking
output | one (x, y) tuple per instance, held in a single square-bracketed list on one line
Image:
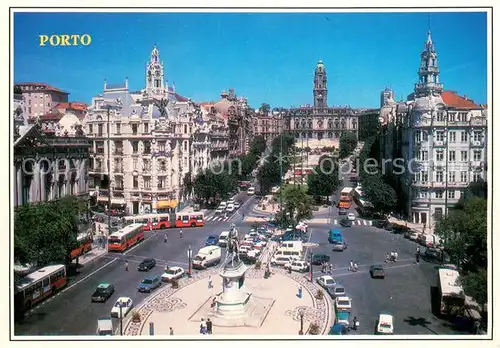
[(244, 204), (370, 222), (368, 271), (365, 222), (335, 221)]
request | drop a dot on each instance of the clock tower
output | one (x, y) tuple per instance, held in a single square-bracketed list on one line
[(320, 90), (154, 73)]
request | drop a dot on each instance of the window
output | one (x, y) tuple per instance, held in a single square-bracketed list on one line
[(146, 127), (451, 194), (135, 182), (463, 156), (417, 136), (425, 155), (147, 183), (99, 129), (91, 129), (478, 136), (438, 213), (440, 116), (476, 177), (161, 146), (134, 129), (477, 155), (439, 155), (147, 147), (463, 136), (185, 145), (463, 176), (417, 155), (440, 136), (135, 146), (453, 136), (135, 164), (451, 116), (118, 128), (162, 182), (163, 166), (451, 176), (146, 165), (185, 162), (462, 117), (452, 156), (423, 194), (425, 136), (425, 176), (439, 176), (185, 129), (439, 194)]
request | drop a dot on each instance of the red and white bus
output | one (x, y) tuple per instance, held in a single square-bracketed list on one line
[(39, 285), (150, 221), (345, 198), (126, 237), (192, 219), (83, 245)]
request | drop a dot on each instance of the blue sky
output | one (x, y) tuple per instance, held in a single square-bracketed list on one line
[(266, 57)]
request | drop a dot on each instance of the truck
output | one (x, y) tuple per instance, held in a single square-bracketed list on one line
[(104, 327), (207, 256)]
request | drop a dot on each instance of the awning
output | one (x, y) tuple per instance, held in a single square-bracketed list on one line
[(118, 201), (102, 199), (166, 204)]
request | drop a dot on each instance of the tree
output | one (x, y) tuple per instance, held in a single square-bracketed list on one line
[(264, 108), (258, 145), (325, 178), (297, 204), (187, 183), (210, 186), (45, 232), (381, 195), (464, 231), (348, 142), (268, 176), (18, 90)]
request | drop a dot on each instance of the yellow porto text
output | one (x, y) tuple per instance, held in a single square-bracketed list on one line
[(65, 40)]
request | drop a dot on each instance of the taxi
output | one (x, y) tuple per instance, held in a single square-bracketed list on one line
[(385, 324)]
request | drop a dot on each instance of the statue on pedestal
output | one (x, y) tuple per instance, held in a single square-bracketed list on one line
[(233, 246)]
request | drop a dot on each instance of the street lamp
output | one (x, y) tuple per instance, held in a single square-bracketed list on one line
[(121, 319), (301, 315), (311, 268), (189, 254)]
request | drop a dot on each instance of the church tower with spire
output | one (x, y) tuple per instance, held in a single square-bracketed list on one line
[(320, 91), (154, 73), (428, 73)]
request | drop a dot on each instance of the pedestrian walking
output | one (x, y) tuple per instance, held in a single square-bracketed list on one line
[(417, 258), (210, 286), (203, 327), (126, 266), (180, 233), (171, 331), (299, 294), (351, 266), (209, 326), (418, 249), (331, 269), (355, 266), (165, 239), (387, 258), (395, 256), (355, 324)]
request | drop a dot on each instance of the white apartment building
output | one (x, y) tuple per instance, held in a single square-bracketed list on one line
[(156, 137), (447, 144)]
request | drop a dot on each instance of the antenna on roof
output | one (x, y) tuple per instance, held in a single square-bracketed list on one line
[(429, 24)]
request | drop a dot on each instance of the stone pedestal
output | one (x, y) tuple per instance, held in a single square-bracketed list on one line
[(234, 300)]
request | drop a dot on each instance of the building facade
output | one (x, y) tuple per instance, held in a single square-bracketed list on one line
[(320, 125), (442, 139), (157, 141), (40, 98), (267, 125), (47, 167)]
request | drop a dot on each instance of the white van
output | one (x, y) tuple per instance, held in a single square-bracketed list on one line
[(207, 256), (104, 327), (223, 239), (230, 208), (293, 253)]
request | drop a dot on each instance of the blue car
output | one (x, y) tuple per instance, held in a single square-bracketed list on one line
[(212, 240), (149, 283)]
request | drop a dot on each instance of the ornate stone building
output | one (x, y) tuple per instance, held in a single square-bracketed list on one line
[(443, 139), (319, 124), (46, 166), (268, 125), (157, 139)]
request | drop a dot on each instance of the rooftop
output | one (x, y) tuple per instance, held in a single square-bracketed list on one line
[(452, 99), (40, 86)]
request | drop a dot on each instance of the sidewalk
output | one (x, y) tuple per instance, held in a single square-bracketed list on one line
[(419, 228), (96, 252)]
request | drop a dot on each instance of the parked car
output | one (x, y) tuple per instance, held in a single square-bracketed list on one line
[(339, 246), (212, 240), (298, 266), (380, 223), (326, 281), (385, 325), (400, 229), (172, 273), (220, 210), (103, 292), (149, 283), (414, 236), (125, 303), (281, 260), (346, 223), (351, 216), (146, 265), (343, 304), (336, 290), (236, 205), (377, 271), (319, 259)]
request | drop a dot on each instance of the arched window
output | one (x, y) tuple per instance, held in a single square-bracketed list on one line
[(320, 124), (330, 124), (330, 135), (336, 134)]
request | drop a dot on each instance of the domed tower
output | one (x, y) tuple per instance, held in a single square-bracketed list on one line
[(320, 91), (428, 73), (154, 73)]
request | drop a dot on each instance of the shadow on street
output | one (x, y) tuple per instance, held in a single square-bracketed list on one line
[(412, 321)]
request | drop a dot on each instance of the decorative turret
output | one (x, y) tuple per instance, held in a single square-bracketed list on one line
[(428, 73), (154, 73), (320, 91)]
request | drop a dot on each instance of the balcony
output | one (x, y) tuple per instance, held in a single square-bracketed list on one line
[(482, 122), (421, 184), (477, 164), (457, 184), (118, 152), (118, 169), (438, 184), (439, 143)]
